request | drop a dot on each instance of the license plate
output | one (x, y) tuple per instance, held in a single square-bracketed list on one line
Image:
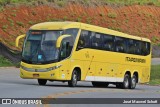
[(35, 75)]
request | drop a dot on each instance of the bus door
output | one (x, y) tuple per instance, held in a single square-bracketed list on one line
[(65, 51)]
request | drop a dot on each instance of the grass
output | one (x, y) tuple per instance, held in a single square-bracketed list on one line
[(89, 20), (155, 75), (4, 27), (1, 9), (5, 62), (10, 20), (112, 15), (12, 24), (79, 19), (65, 18), (30, 22), (20, 23), (13, 14), (34, 13), (101, 14), (134, 2), (154, 39), (62, 3)]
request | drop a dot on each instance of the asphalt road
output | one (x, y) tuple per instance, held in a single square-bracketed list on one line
[(155, 61), (12, 86)]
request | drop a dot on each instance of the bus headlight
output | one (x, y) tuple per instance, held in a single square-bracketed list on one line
[(55, 67)]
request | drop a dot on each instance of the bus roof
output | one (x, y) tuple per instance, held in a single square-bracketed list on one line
[(54, 25), (67, 24)]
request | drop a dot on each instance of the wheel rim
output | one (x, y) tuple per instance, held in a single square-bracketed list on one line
[(74, 78), (126, 83), (133, 83)]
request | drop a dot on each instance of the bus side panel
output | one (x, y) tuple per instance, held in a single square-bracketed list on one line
[(64, 73), (100, 72), (81, 59), (145, 75), (90, 74), (76, 64)]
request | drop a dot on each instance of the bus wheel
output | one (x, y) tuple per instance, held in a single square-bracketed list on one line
[(100, 84), (133, 82), (73, 81), (126, 82), (42, 81)]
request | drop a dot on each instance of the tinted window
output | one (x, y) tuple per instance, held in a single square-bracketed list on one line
[(66, 48), (108, 42), (145, 48), (73, 32), (137, 47), (84, 40), (134, 47), (67, 43), (120, 44), (131, 46), (96, 40), (52, 35), (148, 48)]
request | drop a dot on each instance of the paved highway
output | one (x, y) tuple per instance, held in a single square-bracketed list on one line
[(12, 86), (155, 61)]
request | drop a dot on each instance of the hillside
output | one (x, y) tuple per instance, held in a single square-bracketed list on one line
[(136, 18)]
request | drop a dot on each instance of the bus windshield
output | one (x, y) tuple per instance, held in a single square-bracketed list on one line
[(40, 47)]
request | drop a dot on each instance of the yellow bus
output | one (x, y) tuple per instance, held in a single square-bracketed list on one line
[(73, 51)]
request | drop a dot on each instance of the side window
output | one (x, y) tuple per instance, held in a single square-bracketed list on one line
[(84, 40), (137, 47), (131, 46), (96, 40), (120, 45), (145, 48), (73, 32), (108, 42), (148, 48), (67, 43)]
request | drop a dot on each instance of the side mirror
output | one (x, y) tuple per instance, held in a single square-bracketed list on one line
[(18, 38), (59, 40)]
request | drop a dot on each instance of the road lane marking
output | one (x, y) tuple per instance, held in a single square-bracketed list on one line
[(71, 92), (61, 94), (56, 95)]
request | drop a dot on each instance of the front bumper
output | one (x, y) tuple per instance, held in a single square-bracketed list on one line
[(28, 71)]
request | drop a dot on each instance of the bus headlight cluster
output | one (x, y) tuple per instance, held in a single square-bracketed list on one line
[(41, 70)]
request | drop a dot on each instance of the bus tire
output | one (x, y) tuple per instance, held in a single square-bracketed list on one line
[(133, 82), (42, 81), (74, 79), (100, 84), (126, 82)]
